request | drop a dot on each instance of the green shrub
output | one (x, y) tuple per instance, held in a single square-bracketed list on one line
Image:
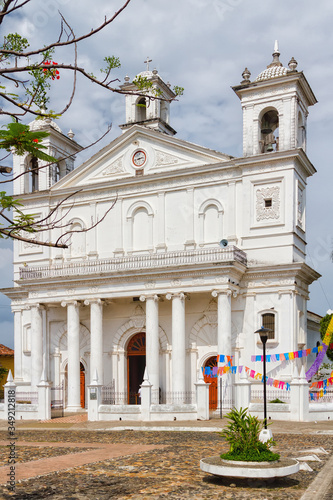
[(242, 434), (277, 400)]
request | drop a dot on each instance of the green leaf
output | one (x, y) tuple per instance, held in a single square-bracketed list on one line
[(22, 140)]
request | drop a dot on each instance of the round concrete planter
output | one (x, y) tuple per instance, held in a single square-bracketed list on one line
[(248, 470)]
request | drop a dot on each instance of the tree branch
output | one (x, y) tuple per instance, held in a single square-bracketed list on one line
[(68, 42)]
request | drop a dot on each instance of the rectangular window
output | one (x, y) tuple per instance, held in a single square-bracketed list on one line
[(268, 203), (268, 321)]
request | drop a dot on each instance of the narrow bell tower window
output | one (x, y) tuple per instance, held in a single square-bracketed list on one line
[(269, 128), (141, 110), (34, 174)]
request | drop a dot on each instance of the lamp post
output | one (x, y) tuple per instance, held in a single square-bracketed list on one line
[(263, 332)]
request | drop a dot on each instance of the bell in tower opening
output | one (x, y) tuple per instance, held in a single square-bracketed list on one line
[(269, 132)]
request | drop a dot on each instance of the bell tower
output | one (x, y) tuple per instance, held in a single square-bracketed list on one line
[(275, 108), (150, 108), (34, 176)]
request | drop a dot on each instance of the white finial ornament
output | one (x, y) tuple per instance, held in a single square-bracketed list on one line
[(276, 47)]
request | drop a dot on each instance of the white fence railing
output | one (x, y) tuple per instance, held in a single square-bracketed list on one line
[(138, 262), (26, 398), (326, 398), (273, 395)]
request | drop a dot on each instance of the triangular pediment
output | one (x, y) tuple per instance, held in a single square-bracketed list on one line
[(139, 151)]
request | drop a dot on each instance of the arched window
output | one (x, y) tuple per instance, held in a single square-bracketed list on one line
[(268, 321), (141, 110), (141, 229), (31, 176), (269, 128), (211, 222), (55, 173), (77, 240)]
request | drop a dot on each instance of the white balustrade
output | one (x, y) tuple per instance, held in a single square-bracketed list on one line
[(133, 262)]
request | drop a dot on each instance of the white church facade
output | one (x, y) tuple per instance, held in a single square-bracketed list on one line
[(199, 251)]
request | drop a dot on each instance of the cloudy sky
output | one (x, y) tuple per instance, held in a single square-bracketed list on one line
[(204, 47)]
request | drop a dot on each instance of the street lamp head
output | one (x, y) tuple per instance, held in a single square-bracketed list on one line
[(263, 332)]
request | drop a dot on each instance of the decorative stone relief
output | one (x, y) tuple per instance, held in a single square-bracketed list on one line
[(273, 210), (150, 284), (211, 312), (300, 208), (138, 317), (222, 279), (163, 158), (115, 168), (176, 282)]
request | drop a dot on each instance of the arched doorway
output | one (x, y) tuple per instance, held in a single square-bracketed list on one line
[(211, 363), (82, 386), (136, 363)]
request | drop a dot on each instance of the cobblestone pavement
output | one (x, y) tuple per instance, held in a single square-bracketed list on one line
[(171, 471)]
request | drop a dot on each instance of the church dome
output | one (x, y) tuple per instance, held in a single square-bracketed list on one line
[(272, 72), (275, 69), (42, 123), (145, 74)]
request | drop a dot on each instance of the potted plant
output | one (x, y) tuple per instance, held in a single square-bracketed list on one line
[(242, 433)]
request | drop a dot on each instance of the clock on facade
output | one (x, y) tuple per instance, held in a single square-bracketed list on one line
[(139, 158)]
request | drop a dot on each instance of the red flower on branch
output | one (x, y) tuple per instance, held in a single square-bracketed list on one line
[(54, 72)]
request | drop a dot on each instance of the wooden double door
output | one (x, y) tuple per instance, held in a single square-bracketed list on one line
[(211, 363), (136, 363)]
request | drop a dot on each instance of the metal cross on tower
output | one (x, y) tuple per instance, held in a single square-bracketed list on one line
[(147, 62)]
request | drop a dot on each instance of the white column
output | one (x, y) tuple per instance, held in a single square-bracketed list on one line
[(46, 344), (36, 345), (73, 338), (223, 321), (224, 334), (96, 339), (152, 344), (178, 342), (18, 345)]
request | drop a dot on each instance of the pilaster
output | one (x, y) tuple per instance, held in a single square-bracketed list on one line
[(178, 342)]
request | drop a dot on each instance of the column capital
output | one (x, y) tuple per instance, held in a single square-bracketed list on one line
[(66, 303), (16, 309), (88, 302), (38, 306), (216, 293), (153, 297), (180, 295)]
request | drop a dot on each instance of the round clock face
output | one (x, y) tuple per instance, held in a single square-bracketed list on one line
[(139, 158)]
